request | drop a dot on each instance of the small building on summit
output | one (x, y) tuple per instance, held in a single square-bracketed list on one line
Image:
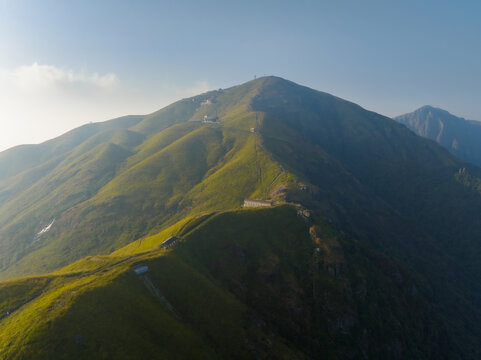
[(257, 203)]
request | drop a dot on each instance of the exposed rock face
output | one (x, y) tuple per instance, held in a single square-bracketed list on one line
[(328, 251), (459, 136), (304, 214)]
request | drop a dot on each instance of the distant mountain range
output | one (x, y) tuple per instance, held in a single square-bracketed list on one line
[(371, 249), (460, 136)]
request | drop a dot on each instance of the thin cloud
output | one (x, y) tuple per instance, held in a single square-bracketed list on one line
[(39, 102), (36, 77)]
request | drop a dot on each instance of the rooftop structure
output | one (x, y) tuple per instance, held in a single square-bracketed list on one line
[(257, 203), (140, 269), (207, 119), (167, 244)]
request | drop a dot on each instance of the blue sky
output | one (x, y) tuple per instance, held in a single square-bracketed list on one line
[(65, 63)]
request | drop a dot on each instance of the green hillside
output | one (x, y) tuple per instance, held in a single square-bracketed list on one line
[(388, 268), (127, 181), (391, 188), (24, 157), (212, 297)]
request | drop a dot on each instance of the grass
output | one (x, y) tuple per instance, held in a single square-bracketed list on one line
[(98, 308), (122, 184), (220, 280), (369, 176)]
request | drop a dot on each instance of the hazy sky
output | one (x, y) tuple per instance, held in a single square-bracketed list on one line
[(65, 63)]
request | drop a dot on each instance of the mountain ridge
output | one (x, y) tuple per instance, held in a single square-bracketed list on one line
[(395, 201), (212, 140), (215, 304), (458, 135)]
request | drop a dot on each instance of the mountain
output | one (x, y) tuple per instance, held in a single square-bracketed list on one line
[(239, 284), (459, 136), (385, 266), (127, 179)]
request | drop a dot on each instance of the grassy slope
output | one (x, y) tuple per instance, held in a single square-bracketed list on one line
[(97, 309), (390, 188), (340, 300), (219, 283), (49, 198), (20, 158), (351, 160), (369, 167), (207, 169), (152, 181)]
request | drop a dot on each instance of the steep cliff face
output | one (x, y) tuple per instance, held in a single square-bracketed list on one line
[(457, 135)]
